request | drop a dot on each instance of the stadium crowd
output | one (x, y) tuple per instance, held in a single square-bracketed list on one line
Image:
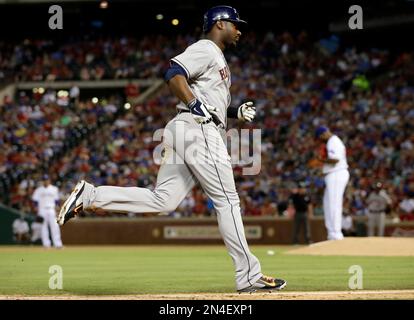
[(87, 59), (364, 96), (38, 128)]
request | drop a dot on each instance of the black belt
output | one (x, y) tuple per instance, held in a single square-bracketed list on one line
[(376, 211), (216, 121)]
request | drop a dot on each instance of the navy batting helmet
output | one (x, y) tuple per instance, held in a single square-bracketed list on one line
[(218, 13)]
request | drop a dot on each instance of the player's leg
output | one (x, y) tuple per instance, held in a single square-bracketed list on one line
[(174, 181), (301, 226), (381, 224), (339, 184), (54, 229), (45, 232), (371, 224), (344, 182), (208, 159), (306, 226), (376, 224), (335, 205), (227, 204), (296, 228), (327, 207)]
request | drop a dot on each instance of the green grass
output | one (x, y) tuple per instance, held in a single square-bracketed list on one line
[(140, 270)]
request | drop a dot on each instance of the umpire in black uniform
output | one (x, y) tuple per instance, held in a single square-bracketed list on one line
[(303, 208)]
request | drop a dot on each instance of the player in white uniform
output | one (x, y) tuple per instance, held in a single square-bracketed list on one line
[(46, 197), (194, 149), (335, 169)]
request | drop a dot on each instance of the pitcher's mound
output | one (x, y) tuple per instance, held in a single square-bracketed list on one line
[(369, 246)]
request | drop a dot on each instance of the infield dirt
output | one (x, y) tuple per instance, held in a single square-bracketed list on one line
[(367, 246), (310, 295)]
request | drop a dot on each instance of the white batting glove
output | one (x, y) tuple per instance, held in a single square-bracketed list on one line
[(246, 112), (201, 111)]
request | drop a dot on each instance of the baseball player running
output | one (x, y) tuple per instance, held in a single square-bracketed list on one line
[(194, 149), (335, 169)]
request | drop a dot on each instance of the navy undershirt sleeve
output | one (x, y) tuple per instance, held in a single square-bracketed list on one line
[(174, 69)]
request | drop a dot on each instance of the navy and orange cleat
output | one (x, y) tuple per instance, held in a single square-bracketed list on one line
[(73, 205), (265, 283)]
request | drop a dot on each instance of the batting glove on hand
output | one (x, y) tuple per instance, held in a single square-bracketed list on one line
[(246, 112), (201, 111)]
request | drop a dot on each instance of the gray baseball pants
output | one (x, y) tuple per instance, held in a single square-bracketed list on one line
[(376, 220), (193, 153)]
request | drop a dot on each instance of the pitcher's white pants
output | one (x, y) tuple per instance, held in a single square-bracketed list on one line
[(49, 221), (335, 184)]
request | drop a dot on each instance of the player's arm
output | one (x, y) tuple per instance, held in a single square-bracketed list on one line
[(189, 66), (179, 87), (329, 158), (35, 200), (387, 198), (245, 112), (176, 78)]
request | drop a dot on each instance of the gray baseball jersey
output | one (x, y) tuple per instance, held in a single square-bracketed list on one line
[(194, 153), (378, 201), (209, 75)]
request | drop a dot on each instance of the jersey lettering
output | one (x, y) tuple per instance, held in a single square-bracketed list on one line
[(224, 73)]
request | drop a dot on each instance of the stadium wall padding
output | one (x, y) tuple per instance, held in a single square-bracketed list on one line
[(153, 231)]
